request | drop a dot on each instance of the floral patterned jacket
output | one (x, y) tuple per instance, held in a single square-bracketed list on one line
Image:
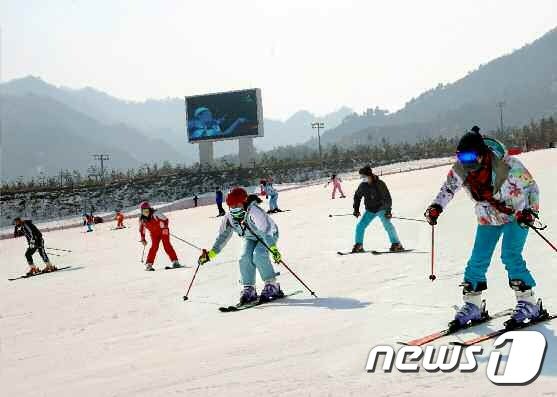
[(512, 185)]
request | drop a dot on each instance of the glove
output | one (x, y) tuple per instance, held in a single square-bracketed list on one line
[(388, 214), (432, 213), (206, 256), (356, 213), (144, 242), (277, 257), (526, 217), (31, 244)]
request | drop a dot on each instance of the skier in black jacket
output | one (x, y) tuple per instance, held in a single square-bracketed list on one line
[(35, 240), (378, 203)]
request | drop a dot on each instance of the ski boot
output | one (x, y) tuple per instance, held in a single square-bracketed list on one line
[(176, 265), (396, 247), (49, 268), (33, 270), (473, 311), (357, 248), (149, 267), (271, 291), (249, 294), (343, 196), (527, 310)]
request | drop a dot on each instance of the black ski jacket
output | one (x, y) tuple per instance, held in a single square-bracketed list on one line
[(376, 196), (30, 231)]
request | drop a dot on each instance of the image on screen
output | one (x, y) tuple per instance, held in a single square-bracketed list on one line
[(226, 115)]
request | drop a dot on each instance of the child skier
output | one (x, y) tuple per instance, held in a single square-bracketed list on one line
[(157, 224), (378, 203), (88, 221), (273, 196), (119, 220), (335, 180), (249, 220), (36, 242), (507, 198), (219, 198)]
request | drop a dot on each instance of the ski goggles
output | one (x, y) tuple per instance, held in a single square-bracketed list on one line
[(237, 213), (467, 158)]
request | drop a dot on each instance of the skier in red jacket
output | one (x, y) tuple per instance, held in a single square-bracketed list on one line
[(157, 224)]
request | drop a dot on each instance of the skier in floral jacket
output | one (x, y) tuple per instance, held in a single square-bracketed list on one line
[(507, 200)]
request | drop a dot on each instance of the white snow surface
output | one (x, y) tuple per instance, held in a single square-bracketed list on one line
[(108, 328)]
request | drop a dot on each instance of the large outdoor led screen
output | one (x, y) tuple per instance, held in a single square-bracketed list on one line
[(226, 115)]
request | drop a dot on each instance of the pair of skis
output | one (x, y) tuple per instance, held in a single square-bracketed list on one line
[(238, 307), (374, 252), (481, 338), (38, 274)]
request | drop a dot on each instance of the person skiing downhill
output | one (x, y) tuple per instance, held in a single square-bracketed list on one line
[(157, 224), (119, 220), (273, 196), (219, 198), (378, 203), (89, 222), (36, 243), (336, 181), (249, 220), (507, 200)]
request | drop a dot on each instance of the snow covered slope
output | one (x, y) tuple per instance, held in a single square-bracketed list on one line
[(107, 328)]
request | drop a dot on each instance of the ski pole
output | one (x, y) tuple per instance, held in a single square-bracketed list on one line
[(143, 253), (432, 276), (53, 254), (409, 219), (543, 237), (187, 242), (331, 215), (191, 283), (282, 262), (57, 249)]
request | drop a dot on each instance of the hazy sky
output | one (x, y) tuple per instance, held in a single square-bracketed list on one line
[(315, 55)]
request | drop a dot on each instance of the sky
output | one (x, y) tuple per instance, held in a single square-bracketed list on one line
[(312, 55)]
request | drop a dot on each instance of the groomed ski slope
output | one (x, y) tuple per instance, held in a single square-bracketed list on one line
[(108, 328)]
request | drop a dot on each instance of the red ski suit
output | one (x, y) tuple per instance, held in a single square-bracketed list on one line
[(158, 229)]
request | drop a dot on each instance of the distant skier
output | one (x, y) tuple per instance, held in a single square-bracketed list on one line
[(247, 219), (507, 199), (273, 196), (219, 198), (195, 199), (157, 224), (36, 243), (378, 203), (336, 181), (88, 221), (262, 191), (119, 220)]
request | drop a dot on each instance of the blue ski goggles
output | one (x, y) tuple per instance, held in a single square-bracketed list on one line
[(467, 158)]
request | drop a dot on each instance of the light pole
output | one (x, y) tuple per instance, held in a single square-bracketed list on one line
[(102, 158), (319, 125), (500, 105)]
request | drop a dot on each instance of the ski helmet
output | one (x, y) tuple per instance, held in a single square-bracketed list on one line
[(236, 196), (144, 205)]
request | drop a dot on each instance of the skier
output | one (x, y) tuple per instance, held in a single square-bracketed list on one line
[(36, 242), (219, 198), (507, 200), (335, 180), (273, 196), (157, 224), (248, 220), (88, 221), (378, 203), (195, 199), (119, 220)]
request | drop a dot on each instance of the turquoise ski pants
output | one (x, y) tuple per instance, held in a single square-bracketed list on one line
[(366, 220), (255, 256)]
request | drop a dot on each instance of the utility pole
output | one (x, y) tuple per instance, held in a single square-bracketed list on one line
[(500, 105), (102, 157), (319, 125)]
